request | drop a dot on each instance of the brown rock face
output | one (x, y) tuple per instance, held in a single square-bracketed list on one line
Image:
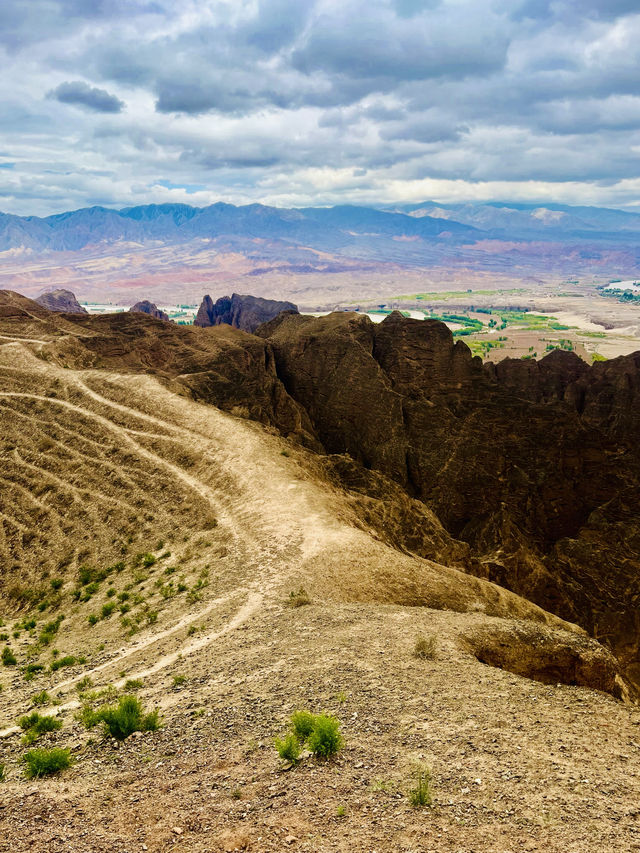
[(61, 301), (535, 465), (241, 312), (547, 655), (150, 308)]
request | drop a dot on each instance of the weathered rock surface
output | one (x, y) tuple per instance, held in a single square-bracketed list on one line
[(61, 302), (546, 654), (150, 308), (241, 312), (535, 465)]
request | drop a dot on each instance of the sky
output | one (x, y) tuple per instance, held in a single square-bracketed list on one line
[(318, 102)]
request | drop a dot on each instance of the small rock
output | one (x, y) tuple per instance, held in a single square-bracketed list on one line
[(290, 839), (177, 830)]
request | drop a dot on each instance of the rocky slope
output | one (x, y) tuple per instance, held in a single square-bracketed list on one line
[(534, 464), (159, 540), (241, 312), (525, 473)]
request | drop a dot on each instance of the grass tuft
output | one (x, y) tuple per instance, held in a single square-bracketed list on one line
[(325, 740), (35, 725), (123, 719), (422, 794), (302, 723), (288, 748), (299, 598), (8, 657), (425, 648), (45, 762)]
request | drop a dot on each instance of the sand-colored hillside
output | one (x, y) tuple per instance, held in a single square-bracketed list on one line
[(197, 526)]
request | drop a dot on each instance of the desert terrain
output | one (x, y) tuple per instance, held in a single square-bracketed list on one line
[(203, 528)]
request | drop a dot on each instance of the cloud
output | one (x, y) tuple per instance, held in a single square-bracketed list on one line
[(313, 101), (82, 95)]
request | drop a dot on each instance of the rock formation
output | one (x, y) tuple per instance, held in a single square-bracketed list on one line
[(242, 312), (150, 308), (60, 301), (535, 465), (524, 473)]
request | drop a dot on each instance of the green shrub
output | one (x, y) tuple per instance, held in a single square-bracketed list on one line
[(107, 609), (123, 719), (92, 619), (133, 684), (56, 583), (422, 794), (302, 723), (2, 772), (44, 762), (35, 725), (4, 637), (41, 698), (425, 648), (8, 657), (50, 630), (325, 739), (148, 560), (288, 748), (67, 660), (31, 670), (179, 680)]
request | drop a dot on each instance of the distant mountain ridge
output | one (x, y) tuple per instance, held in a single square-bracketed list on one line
[(343, 228), (533, 221), (169, 223)]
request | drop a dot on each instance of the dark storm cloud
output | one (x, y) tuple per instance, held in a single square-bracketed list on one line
[(82, 95), (306, 99)]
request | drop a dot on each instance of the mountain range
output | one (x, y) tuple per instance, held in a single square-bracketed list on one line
[(339, 228)]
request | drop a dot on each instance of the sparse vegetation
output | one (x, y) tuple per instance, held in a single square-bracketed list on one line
[(320, 732), (422, 794), (302, 723), (67, 660), (325, 740), (45, 762), (31, 670), (299, 598), (41, 698), (426, 648), (132, 684), (35, 725), (50, 630), (123, 719), (8, 657), (288, 748)]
